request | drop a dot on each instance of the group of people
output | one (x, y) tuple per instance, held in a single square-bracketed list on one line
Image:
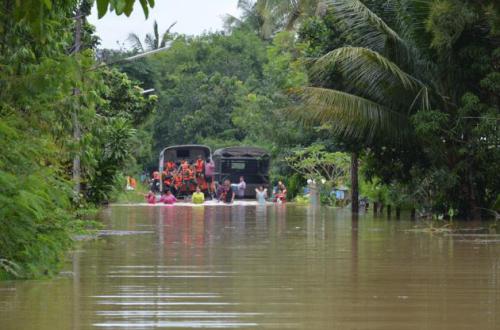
[(196, 179), (225, 192), (168, 197), (184, 178)]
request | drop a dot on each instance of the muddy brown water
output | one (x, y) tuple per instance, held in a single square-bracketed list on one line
[(253, 267)]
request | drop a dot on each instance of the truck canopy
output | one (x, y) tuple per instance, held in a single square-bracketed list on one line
[(241, 152)]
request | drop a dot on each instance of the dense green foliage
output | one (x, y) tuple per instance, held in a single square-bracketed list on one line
[(409, 85), (45, 87), (418, 90), (224, 90)]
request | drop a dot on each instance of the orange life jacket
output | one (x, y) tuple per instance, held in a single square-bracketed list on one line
[(177, 181), (170, 165), (187, 174), (200, 164)]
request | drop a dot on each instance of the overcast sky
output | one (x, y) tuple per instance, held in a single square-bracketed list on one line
[(192, 17)]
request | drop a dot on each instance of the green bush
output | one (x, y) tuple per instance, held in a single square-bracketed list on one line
[(34, 204)]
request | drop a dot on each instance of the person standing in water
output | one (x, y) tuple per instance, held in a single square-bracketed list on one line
[(209, 177), (168, 198), (227, 195), (198, 197), (241, 188), (261, 195)]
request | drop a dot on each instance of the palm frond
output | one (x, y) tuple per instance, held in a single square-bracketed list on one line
[(167, 35), (372, 75), (170, 27), (245, 5), (410, 16), (149, 41), (350, 115), (297, 9), (156, 36), (135, 42), (366, 29), (230, 21)]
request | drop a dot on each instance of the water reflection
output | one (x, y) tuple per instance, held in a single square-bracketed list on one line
[(279, 266)]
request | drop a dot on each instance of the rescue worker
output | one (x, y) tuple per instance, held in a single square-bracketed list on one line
[(170, 166), (167, 181), (177, 183), (200, 166), (184, 165)]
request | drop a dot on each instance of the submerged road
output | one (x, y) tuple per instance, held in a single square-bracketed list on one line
[(264, 267)]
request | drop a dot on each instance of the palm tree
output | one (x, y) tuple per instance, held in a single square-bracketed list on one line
[(151, 41), (385, 78), (266, 17), (294, 11), (255, 15)]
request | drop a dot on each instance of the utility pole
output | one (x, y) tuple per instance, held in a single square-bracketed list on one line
[(77, 134)]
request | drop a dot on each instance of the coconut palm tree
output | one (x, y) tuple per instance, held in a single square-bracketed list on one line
[(151, 41), (266, 17), (255, 15), (389, 73), (384, 77), (293, 11)]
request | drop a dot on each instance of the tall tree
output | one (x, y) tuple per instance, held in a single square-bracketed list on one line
[(397, 82), (267, 17), (151, 41)]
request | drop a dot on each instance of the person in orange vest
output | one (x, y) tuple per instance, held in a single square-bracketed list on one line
[(177, 182), (170, 166), (184, 165), (167, 181), (189, 178), (200, 166)]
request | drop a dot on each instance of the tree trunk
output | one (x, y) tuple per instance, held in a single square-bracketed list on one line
[(389, 210), (354, 183), (398, 212), (77, 135), (474, 213)]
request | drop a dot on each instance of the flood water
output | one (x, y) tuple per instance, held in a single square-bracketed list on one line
[(274, 267)]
